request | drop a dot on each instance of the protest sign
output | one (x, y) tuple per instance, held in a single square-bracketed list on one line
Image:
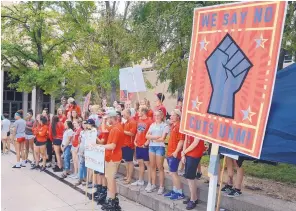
[(95, 158), (131, 79), (86, 102), (231, 73), (125, 95)]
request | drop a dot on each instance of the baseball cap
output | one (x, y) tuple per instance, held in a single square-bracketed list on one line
[(160, 96), (90, 122), (177, 111), (111, 113), (71, 100)]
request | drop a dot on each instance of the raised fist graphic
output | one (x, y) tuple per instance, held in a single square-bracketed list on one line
[(227, 67)]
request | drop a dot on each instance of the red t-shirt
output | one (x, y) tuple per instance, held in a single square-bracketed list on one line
[(142, 129), (62, 118), (76, 135), (130, 126), (41, 132), (197, 152), (116, 136), (175, 137), (59, 131)]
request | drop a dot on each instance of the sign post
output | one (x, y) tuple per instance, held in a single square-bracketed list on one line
[(230, 78)]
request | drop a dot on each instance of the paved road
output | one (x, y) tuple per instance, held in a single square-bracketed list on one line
[(31, 190)]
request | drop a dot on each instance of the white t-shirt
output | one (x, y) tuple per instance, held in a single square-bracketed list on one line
[(91, 136), (68, 133), (82, 142), (5, 125), (158, 130)]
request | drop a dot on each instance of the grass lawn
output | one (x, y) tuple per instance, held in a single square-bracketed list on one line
[(282, 172)]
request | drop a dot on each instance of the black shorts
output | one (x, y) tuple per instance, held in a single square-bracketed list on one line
[(39, 144), (99, 173), (191, 167), (127, 154), (240, 161), (57, 142)]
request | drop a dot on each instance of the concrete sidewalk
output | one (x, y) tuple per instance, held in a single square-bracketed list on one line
[(32, 190)]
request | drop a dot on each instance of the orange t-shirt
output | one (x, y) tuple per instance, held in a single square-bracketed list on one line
[(197, 152), (142, 129), (62, 118), (130, 126), (116, 136), (76, 108), (175, 137), (75, 141), (41, 132), (59, 131), (150, 114)]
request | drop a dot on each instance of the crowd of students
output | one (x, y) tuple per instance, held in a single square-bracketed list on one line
[(133, 135)]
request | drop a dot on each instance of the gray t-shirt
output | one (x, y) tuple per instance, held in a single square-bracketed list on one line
[(30, 124), (158, 130), (20, 127), (5, 125)]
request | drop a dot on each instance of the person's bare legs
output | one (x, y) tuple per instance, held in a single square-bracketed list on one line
[(193, 189), (75, 162), (23, 150), (8, 143), (147, 163), (31, 147), (239, 177), (37, 154), (57, 150), (130, 169), (27, 147), (230, 172), (141, 170), (176, 180), (152, 159), (43, 154), (159, 164), (18, 151)]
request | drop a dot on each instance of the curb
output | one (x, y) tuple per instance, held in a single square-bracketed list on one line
[(246, 202)]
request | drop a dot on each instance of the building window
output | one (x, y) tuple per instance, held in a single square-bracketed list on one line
[(10, 95), (18, 96)]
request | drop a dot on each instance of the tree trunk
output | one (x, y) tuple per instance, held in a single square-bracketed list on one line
[(281, 59), (39, 100)]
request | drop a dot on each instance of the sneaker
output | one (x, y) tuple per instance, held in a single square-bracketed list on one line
[(190, 205), (138, 183), (89, 185), (169, 194), (234, 193), (177, 196), (35, 167), (227, 189), (76, 176), (33, 164), (188, 199), (16, 167), (198, 175), (160, 191), (42, 168), (151, 188), (148, 187)]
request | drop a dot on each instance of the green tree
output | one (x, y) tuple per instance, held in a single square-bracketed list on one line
[(33, 45)]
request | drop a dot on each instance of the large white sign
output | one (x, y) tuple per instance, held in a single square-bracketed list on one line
[(95, 158), (132, 80)]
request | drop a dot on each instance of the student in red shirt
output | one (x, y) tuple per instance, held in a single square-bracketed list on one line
[(193, 149), (128, 149), (61, 115), (142, 146), (73, 106), (175, 146), (56, 131), (41, 133), (113, 156)]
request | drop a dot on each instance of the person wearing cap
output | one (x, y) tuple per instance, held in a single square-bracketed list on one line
[(142, 146), (73, 106), (128, 149), (193, 149), (159, 104), (175, 145), (113, 157)]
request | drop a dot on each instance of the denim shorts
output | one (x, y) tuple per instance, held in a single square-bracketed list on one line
[(173, 164), (191, 167), (142, 153), (158, 150)]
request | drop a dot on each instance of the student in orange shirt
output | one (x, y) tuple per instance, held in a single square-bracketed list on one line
[(141, 143), (61, 115), (193, 149), (73, 106), (41, 133), (128, 149), (113, 156), (175, 146), (56, 131)]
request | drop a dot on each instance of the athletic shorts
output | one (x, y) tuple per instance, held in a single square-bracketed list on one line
[(191, 167), (111, 169), (127, 154), (29, 137), (57, 142), (20, 140), (99, 173), (73, 148), (142, 153), (158, 150), (39, 143), (240, 161), (173, 164)]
